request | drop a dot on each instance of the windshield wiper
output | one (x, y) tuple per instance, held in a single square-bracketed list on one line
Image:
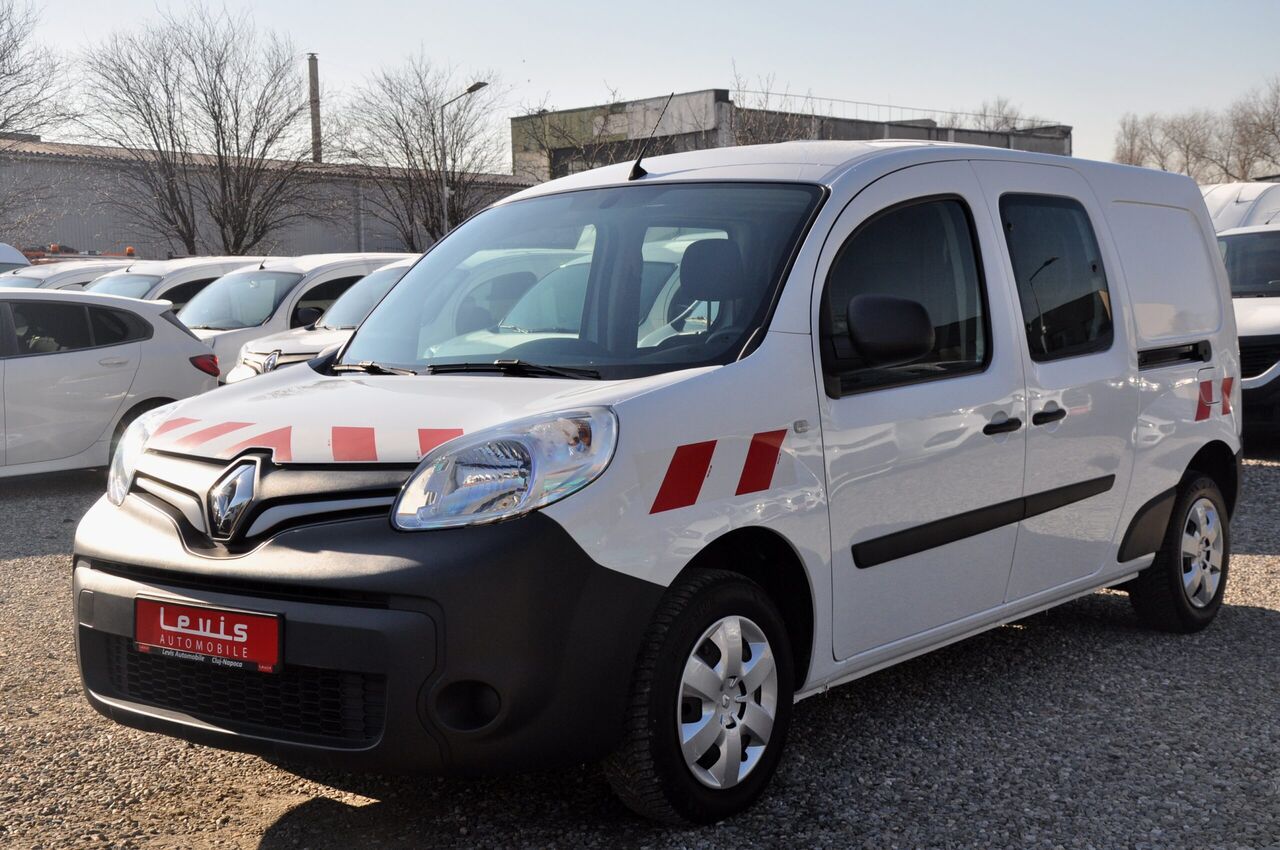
[(520, 368), (369, 367)]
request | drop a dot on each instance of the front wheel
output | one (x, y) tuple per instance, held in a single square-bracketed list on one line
[(710, 705), (1182, 590)]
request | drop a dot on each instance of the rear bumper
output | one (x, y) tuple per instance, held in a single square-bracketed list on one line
[(477, 650)]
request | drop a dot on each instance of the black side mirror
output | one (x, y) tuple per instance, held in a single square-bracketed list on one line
[(889, 331), (305, 317)]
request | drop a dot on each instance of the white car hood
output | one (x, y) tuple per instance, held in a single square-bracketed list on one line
[(299, 341), (301, 416), (1257, 316)]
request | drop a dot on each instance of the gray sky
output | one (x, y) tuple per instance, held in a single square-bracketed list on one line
[(1082, 63)]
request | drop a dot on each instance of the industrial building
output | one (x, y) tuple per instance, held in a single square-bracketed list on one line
[(551, 144)]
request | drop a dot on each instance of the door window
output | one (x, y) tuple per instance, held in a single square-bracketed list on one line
[(1062, 285), (45, 328), (925, 251)]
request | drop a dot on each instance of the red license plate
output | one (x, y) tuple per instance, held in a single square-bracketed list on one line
[(212, 635)]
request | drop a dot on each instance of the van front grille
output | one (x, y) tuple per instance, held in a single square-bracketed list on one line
[(299, 704)]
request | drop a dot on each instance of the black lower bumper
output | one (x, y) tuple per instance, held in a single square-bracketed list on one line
[(1262, 405), (477, 650)]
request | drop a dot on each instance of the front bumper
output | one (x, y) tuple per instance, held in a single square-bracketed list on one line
[(477, 650)]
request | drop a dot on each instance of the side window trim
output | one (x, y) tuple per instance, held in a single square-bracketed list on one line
[(1102, 343), (833, 378)]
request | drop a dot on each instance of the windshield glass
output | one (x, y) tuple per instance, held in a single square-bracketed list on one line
[(128, 285), (354, 304), (1253, 263), (626, 281), (238, 300), (21, 282)]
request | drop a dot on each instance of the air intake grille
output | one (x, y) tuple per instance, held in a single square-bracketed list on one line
[(301, 704), (1256, 359)]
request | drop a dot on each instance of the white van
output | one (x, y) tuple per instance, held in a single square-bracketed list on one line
[(1252, 258), (897, 394), (298, 345), (270, 296), (175, 281), (1246, 204)]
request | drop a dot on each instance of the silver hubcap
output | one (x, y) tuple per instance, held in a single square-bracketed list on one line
[(728, 700), (1201, 553)]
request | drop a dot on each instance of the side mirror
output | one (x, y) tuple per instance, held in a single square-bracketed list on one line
[(305, 317), (889, 331)]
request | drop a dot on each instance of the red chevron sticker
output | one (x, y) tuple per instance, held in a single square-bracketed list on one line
[(683, 481)]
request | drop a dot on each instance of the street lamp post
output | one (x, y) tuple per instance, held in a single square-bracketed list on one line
[(444, 171)]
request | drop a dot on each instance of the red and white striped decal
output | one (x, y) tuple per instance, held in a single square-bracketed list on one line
[(341, 443), (1226, 395), (1205, 399), (690, 467)]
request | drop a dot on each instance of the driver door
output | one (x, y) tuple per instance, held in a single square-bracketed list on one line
[(924, 460)]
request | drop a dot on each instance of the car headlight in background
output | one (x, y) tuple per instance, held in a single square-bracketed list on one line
[(507, 471), (125, 461)]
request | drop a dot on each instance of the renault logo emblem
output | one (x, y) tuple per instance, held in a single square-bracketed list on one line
[(270, 363), (231, 497)]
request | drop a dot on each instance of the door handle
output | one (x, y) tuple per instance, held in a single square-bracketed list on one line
[(1044, 417), (114, 361), (1006, 426)]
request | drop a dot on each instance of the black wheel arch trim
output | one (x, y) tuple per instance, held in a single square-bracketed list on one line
[(1146, 530)]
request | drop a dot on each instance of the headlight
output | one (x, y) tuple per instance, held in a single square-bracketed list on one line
[(130, 448), (507, 471)]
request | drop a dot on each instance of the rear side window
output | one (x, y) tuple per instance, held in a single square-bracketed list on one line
[(924, 251), (1062, 285), (114, 327), (46, 328)]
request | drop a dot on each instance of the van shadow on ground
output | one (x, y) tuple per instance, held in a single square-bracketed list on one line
[(1072, 727), (51, 505)]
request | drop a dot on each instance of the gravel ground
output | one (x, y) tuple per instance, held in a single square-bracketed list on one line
[(1073, 728)]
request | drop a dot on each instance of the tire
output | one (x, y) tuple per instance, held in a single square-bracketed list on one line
[(649, 771), (1167, 595)]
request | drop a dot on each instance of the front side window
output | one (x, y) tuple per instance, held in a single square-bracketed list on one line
[(923, 251), (1253, 263), (622, 281), (354, 304), (243, 299), (1057, 265), (179, 295), (46, 328), (127, 285)]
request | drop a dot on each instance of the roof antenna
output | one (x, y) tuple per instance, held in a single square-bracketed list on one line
[(637, 171)]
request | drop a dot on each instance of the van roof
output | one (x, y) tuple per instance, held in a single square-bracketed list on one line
[(164, 267), (314, 262), (819, 162), (1256, 228), (48, 271)]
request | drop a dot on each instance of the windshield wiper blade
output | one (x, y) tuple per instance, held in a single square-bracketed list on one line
[(520, 368), (369, 367)]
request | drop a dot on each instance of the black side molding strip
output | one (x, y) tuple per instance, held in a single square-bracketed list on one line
[(1169, 355), (1146, 530), (921, 538)]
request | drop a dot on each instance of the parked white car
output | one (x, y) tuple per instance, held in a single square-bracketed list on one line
[(64, 274), (175, 281), (901, 393), (273, 295), (1252, 258), (299, 345), (1233, 205), (77, 368)]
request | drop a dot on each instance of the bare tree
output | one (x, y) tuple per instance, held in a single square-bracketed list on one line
[(763, 115), (136, 101), (34, 99), (577, 140), (1128, 144), (402, 144), (208, 117)]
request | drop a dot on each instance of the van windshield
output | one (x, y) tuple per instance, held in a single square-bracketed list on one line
[(1253, 263), (128, 285), (621, 282), (238, 300)]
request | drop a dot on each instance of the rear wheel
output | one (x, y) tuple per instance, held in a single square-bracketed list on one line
[(711, 703), (1182, 590)]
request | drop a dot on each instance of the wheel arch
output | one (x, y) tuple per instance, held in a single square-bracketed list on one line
[(769, 559), (1216, 460)]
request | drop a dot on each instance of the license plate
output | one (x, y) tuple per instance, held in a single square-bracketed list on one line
[(217, 636)]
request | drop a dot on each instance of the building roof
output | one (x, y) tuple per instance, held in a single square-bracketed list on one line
[(107, 153)]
